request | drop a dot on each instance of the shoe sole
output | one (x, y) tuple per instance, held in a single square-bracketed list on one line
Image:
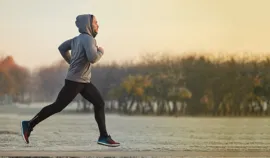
[(23, 133), (109, 145)]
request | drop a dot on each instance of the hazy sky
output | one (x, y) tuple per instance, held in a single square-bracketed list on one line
[(31, 30)]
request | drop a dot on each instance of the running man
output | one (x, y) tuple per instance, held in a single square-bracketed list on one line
[(84, 53)]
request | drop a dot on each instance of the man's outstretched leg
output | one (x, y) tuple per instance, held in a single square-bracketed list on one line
[(65, 96), (91, 93)]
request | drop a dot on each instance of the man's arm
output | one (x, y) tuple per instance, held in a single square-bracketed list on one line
[(92, 52), (64, 50)]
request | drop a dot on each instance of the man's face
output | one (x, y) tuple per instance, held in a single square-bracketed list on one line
[(95, 25)]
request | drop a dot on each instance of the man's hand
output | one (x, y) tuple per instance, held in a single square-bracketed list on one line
[(101, 49)]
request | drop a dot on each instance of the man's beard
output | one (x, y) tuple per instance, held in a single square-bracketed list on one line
[(94, 34)]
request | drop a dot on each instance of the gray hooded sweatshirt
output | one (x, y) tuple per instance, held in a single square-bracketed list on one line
[(84, 51)]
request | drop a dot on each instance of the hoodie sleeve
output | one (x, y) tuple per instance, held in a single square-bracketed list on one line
[(64, 50), (91, 49)]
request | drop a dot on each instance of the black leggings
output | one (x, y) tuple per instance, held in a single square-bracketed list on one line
[(66, 95)]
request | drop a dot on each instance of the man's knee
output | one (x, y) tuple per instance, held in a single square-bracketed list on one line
[(100, 105), (58, 106), (58, 109)]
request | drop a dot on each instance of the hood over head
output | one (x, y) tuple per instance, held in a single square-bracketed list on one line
[(84, 24)]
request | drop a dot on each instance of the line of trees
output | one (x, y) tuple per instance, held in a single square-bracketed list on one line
[(157, 85), (13, 80)]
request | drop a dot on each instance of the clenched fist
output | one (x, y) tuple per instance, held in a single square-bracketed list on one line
[(100, 49)]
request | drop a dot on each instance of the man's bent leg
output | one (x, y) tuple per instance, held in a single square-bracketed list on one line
[(65, 96)]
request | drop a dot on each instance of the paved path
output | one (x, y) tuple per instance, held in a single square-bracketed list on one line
[(133, 154)]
